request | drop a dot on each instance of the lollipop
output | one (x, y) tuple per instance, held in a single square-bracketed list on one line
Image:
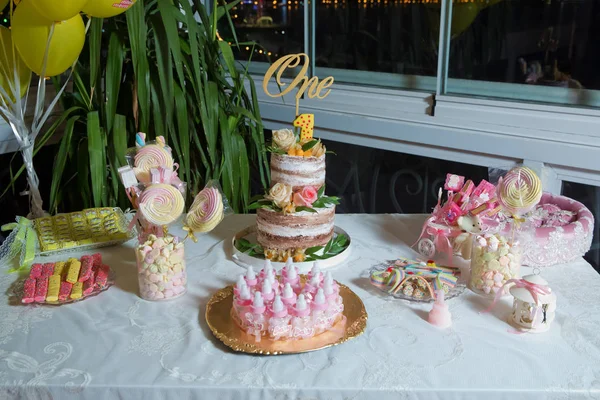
[(206, 212), (161, 204), (519, 191), (148, 157)]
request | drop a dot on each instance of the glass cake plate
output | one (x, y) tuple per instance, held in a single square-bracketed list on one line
[(452, 292), (245, 258)]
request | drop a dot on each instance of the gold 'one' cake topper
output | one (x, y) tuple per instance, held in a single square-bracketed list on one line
[(311, 86)]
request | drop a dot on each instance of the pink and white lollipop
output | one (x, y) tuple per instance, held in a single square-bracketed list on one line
[(206, 211), (519, 191), (149, 157), (161, 204)]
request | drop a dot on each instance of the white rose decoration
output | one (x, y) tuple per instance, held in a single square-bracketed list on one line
[(284, 139), (280, 194)]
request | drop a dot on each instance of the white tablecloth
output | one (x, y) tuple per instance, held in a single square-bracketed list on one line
[(117, 346)]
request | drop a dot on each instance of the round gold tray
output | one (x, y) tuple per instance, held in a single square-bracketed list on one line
[(227, 331)]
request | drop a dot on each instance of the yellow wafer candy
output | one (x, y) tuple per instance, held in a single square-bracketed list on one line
[(59, 268), (53, 288), (77, 290), (73, 274)]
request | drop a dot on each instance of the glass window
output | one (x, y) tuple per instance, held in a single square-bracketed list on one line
[(590, 197), (275, 26), (396, 39), (546, 49)]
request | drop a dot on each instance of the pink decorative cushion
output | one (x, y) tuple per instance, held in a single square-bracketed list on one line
[(564, 230)]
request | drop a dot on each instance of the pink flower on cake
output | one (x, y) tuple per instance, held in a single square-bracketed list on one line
[(306, 197)]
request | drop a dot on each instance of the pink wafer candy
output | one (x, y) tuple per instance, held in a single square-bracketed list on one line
[(36, 271), (41, 289), (97, 259), (102, 276), (86, 269), (65, 290), (28, 291), (47, 270), (89, 284)]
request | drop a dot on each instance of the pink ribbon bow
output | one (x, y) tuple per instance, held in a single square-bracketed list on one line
[(532, 288)]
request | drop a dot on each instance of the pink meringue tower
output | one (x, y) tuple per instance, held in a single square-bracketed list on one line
[(440, 315)]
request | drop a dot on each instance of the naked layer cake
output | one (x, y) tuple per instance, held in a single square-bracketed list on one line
[(295, 214)]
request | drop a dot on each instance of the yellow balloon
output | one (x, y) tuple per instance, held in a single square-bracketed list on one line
[(107, 8), (30, 33), (8, 66), (59, 10), (3, 4), (463, 15)]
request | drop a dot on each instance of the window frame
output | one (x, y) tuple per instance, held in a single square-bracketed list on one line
[(561, 142)]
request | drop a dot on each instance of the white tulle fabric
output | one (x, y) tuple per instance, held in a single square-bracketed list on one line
[(117, 346)]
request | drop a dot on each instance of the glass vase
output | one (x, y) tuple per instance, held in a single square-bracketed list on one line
[(495, 259), (161, 268)]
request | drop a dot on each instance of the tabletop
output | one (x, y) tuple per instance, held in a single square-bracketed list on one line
[(118, 346)]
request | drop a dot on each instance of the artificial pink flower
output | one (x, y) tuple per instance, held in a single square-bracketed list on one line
[(306, 197), (309, 194)]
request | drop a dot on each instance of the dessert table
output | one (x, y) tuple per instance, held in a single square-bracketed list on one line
[(118, 346)]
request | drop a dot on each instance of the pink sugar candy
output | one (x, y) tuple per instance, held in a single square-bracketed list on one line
[(41, 289), (96, 259), (65, 290), (88, 284), (102, 276), (36, 271), (28, 291), (86, 270), (47, 270)]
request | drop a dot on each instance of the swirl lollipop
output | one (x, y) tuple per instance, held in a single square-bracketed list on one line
[(206, 212), (161, 204), (148, 157), (519, 191)]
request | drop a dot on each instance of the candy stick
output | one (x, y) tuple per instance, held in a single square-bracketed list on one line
[(47, 270), (28, 291), (97, 259), (86, 270), (102, 276), (59, 268), (88, 285), (36, 271), (41, 289), (65, 291), (77, 290), (73, 273), (53, 288)]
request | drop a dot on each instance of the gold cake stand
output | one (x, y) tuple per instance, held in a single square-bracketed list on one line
[(227, 331)]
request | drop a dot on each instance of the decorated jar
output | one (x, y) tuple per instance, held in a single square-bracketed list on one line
[(161, 268), (534, 304), (495, 259)]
